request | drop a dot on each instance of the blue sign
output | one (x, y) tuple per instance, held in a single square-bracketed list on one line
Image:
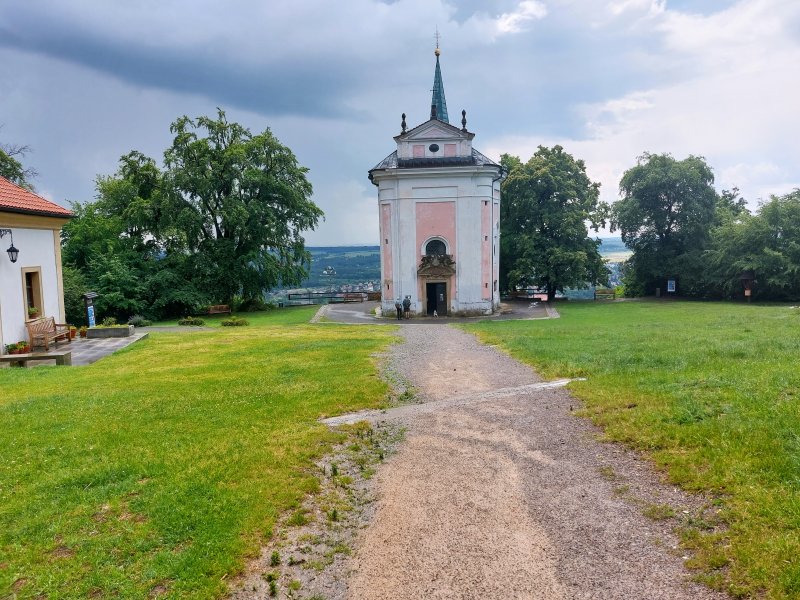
[(671, 286), (90, 314)]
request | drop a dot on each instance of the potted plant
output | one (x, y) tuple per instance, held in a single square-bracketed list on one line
[(82, 331), (33, 312), (73, 331), (23, 347)]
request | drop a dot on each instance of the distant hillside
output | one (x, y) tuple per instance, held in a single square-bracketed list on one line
[(614, 250), (352, 264), (359, 264)]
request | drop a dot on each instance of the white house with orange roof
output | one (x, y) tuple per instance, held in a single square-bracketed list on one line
[(30, 261), (439, 217)]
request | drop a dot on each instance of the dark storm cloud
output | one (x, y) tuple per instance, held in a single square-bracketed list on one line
[(308, 86), (85, 81)]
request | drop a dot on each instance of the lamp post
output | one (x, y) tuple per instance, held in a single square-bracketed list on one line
[(747, 278), (13, 253)]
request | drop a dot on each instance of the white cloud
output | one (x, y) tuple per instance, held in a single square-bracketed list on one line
[(351, 215), (517, 20), (608, 79), (649, 7), (735, 106)]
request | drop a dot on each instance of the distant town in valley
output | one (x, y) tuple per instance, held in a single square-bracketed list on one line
[(357, 268)]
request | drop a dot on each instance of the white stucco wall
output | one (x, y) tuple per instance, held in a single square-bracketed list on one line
[(36, 249), (468, 188)]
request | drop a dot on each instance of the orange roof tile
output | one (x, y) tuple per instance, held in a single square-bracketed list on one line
[(19, 200)]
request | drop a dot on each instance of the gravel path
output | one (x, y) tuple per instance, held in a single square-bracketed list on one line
[(511, 497)]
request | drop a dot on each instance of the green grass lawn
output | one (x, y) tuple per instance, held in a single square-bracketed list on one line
[(711, 391), (163, 467), (291, 315)]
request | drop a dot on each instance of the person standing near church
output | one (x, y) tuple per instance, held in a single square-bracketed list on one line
[(407, 307), (399, 308)]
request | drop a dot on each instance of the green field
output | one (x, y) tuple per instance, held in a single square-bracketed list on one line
[(160, 469), (711, 392)]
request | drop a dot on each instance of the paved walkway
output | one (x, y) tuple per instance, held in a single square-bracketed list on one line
[(364, 313), (500, 492), (86, 351)]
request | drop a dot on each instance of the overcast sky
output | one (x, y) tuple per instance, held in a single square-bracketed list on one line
[(85, 81)]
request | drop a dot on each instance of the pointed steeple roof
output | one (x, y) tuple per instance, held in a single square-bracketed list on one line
[(438, 102)]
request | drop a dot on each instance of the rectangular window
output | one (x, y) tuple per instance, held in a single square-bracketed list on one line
[(32, 281), (386, 240), (486, 238), (449, 149), (419, 151), (487, 285)]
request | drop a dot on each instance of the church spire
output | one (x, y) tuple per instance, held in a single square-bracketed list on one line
[(438, 102)]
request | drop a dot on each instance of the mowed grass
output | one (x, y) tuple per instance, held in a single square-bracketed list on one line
[(285, 316), (160, 469), (711, 391)]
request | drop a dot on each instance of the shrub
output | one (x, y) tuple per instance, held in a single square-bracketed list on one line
[(139, 321), (234, 322), (255, 305), (191, 322)]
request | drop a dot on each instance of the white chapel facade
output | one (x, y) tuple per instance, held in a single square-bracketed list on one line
[(439, 216)]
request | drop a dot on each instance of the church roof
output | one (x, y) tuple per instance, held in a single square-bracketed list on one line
[(449, 130), (475, 160), (438, 102), (15, 199)]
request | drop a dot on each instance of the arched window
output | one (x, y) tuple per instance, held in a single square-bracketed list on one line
[(435, 248)]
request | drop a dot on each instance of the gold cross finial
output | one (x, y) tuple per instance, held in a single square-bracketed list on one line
[(436, 35)]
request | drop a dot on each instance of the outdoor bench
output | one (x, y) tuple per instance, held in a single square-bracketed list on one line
[(44, 330), (217, 309), (22, 360), (604, 295)]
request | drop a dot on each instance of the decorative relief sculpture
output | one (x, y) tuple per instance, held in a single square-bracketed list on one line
[(437, 266)]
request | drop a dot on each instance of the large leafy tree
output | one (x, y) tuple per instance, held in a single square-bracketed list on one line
[(240, 202), (667, 210), (223, 219), (547, 204), (767, 243)]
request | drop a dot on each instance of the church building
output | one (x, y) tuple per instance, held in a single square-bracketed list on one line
[(439, 212)]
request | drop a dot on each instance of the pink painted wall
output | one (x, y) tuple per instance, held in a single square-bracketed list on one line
[(436, 219), (386, 250), (486, 249)]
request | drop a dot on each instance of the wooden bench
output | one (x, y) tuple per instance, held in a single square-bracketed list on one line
[(219, 309), (22, 360), (604, 294), (44, 330)]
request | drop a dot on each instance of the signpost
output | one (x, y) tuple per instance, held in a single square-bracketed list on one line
[(88, 301), (671, 286)]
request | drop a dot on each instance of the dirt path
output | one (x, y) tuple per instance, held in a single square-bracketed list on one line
[(510, 496)]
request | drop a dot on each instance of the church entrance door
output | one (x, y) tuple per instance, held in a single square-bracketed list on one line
[(437, 298)]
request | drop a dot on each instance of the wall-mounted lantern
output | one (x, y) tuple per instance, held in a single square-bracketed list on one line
[(748, 278), (13, 253)]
